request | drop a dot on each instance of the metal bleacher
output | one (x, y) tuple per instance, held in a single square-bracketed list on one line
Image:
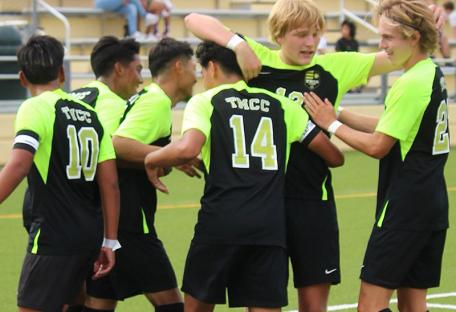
[(87, 24)]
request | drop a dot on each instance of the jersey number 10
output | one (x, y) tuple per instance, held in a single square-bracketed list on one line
[(262, 144), (84, 148)]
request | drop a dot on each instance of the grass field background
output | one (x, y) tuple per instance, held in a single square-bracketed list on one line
[(355, 187)]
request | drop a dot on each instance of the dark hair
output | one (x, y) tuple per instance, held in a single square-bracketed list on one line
[(165, 51), (449, 5), (40, 59), (210, 51), (110, 50), (351, 26)]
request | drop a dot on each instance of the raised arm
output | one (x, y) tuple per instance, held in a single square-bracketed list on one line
[(209, 28), (357, 121), (375, 144)]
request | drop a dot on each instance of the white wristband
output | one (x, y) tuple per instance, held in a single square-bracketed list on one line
[(111, 243), (334, 126), (339, 110), (234, 41)]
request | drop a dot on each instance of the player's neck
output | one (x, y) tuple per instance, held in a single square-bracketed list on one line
[(171, 89), (37, 89), (414, 59), (110, 82), (227, 79)]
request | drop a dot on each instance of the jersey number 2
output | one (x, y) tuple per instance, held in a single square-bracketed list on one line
[(441, 139), (84, 147), (262, 144)]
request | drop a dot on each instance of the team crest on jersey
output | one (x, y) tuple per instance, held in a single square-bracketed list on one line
[(312, 79)]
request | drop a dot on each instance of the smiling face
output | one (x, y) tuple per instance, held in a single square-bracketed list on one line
[(399, 49), (131, 76), (298, 46)]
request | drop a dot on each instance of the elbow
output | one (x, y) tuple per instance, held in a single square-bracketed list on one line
[(336, 161), (190, 19), (376, 152)]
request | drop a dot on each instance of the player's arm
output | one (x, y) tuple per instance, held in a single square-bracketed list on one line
[(327, 150), (130, 152), (110, 203), (357, 121), (15, 170), (177, 153), (374, 144), (209, 28)]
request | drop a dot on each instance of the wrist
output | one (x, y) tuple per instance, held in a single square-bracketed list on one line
[(234, 41), (111, 244), (339, 110), (332, 128)]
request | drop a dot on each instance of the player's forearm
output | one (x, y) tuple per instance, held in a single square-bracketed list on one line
[(368, 143), (131, 152), (14, 172), (382, 65), (174, 154), (208, 28), (110, 197), (358, 122)]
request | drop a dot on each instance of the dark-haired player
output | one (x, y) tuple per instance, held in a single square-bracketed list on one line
[(69, 162), (244, 136), (143, 267)]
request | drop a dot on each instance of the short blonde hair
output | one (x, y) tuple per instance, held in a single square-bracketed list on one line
[(410, 16), (287, 15)]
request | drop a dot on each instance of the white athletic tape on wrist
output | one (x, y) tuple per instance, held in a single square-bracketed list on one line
[(339, 110), (234, 41), (334, 126), (111, 243)]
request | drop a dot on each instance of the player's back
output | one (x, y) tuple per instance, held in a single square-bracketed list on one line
[(245, 156), (67, 137)]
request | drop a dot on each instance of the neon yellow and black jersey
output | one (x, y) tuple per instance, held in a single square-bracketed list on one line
[(412, 193), (147, 119), (108, 105), (248, 136), (329, 76), (68, 142)]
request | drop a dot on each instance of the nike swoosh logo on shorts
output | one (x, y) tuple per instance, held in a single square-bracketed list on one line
[(327, 272)]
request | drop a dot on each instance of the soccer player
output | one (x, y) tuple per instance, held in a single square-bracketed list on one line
[(69, 161), (296, 26), (244, 136), (143, 267), (117, 68), (412, 142)]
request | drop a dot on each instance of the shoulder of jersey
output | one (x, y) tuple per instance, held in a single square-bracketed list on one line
[(87, 95)]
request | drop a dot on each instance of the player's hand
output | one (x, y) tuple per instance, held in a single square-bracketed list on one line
[(322, 112), (153, 175), (439, 15), (104, 264), (247, 60), (191, 168), (163, 172)]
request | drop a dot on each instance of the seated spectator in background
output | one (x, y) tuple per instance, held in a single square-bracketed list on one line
[(157, 10), (129, 9), (322, 46), (347, 43), (451, 13)]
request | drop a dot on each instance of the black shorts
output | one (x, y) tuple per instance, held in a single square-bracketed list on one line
[(313, 242), (255, 276), (142, 266), (49, 282), (396, 259)]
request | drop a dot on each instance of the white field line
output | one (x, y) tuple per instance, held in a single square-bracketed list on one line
[(342, 307)]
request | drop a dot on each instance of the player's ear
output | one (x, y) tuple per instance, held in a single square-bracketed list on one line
[(118, 68), (24, 82), (212, 69)]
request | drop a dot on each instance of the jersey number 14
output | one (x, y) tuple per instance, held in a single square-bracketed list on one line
[(83, 153), (261, 146)]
